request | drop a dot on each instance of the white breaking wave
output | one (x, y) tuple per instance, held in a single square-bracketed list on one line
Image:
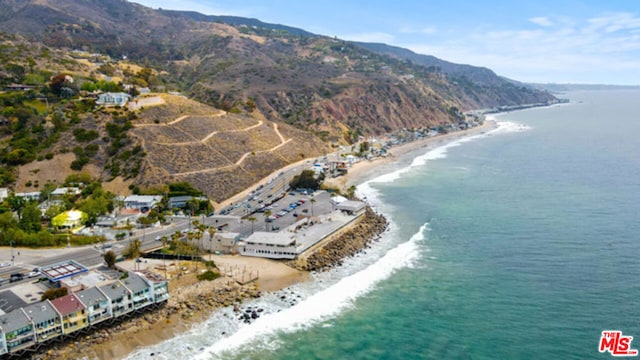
[(323, 305)]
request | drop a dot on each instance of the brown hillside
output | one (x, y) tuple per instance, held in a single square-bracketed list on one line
[(218, 152)]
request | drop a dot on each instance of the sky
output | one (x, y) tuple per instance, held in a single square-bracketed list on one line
[(543, 41)]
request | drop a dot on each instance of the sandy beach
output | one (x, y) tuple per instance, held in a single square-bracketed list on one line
[(368, 169), (257, 274)]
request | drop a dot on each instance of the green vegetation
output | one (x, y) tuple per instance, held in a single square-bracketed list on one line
[(306, 180), (208, 276), (110, 258), (52, 294)]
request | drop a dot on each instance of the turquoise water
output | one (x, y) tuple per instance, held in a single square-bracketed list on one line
[(520, 244)]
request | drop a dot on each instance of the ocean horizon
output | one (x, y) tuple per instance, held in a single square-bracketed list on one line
[(518, 243)]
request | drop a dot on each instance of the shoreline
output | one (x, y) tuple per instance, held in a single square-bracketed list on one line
[(365, 170), (195, 301)]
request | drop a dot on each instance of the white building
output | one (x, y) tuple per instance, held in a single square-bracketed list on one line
[(273, 245), (141, 202), (4, 193)]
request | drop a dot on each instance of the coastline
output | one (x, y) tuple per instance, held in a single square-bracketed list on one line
[(194, 301), (365, 170)]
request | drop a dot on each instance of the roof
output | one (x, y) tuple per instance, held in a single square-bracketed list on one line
[(86, 280), (67, 304), (13, 321), (91, 296), (115, 290), (59, 271), (271, 238), (66, 190), (143, 198), (40, 312), (135, 282), (350, 205)]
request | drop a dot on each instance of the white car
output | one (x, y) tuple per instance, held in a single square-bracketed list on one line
[(5, 264), (33, 274)]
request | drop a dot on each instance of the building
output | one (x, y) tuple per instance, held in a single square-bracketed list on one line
[(4, 193), (143, 203), (46, 320), (224, 242), (351, 207), (141, 292), (120, 302), (181, 201), (37, 323), (17, 331), (96, 303), (28, 196), (62, 270), (61, 192), (274, 245), (73, 312), (113, 99), (71, 219)]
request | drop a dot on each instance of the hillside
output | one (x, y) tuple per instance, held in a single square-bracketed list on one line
[(268, 94)]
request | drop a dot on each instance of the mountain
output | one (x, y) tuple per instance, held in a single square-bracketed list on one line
[(312, 89)]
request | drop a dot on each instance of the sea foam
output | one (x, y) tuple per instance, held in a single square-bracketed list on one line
[(323, 305)]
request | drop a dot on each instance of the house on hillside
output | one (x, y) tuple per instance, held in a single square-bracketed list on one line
[(113, 99), (143, 203)]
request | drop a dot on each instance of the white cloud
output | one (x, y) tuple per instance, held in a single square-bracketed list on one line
[(378, 37), (569, 51), (542, 21), (427, 30)]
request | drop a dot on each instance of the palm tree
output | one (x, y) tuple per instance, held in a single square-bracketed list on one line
[(253, 220), (267, 213), (312, 201), (212, 231)]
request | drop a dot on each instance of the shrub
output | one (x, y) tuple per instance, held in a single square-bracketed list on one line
[(208, 275)]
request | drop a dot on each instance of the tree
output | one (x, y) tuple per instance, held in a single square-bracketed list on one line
[(134, 249), (253, 220), (110, 258), (17, 204), (312, 201), (306, 180), (212, 231), (267, 213), (30, 220), (52, 294)]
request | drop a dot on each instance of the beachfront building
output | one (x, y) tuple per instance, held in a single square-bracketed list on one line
[(46, 320), (17, 331), (224, 242), (120, 302), (40, 322), (73, 312), (351, 207), (273, 245), (141, 293), (96, 303)]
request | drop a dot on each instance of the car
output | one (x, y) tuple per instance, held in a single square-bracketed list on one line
[(295, 214), (305, 210), (33, 274), (158, 238), (282, 213), (275, 227), (5, 264), (16, 277)]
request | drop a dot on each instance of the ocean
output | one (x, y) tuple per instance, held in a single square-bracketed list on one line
[(520, 243)]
